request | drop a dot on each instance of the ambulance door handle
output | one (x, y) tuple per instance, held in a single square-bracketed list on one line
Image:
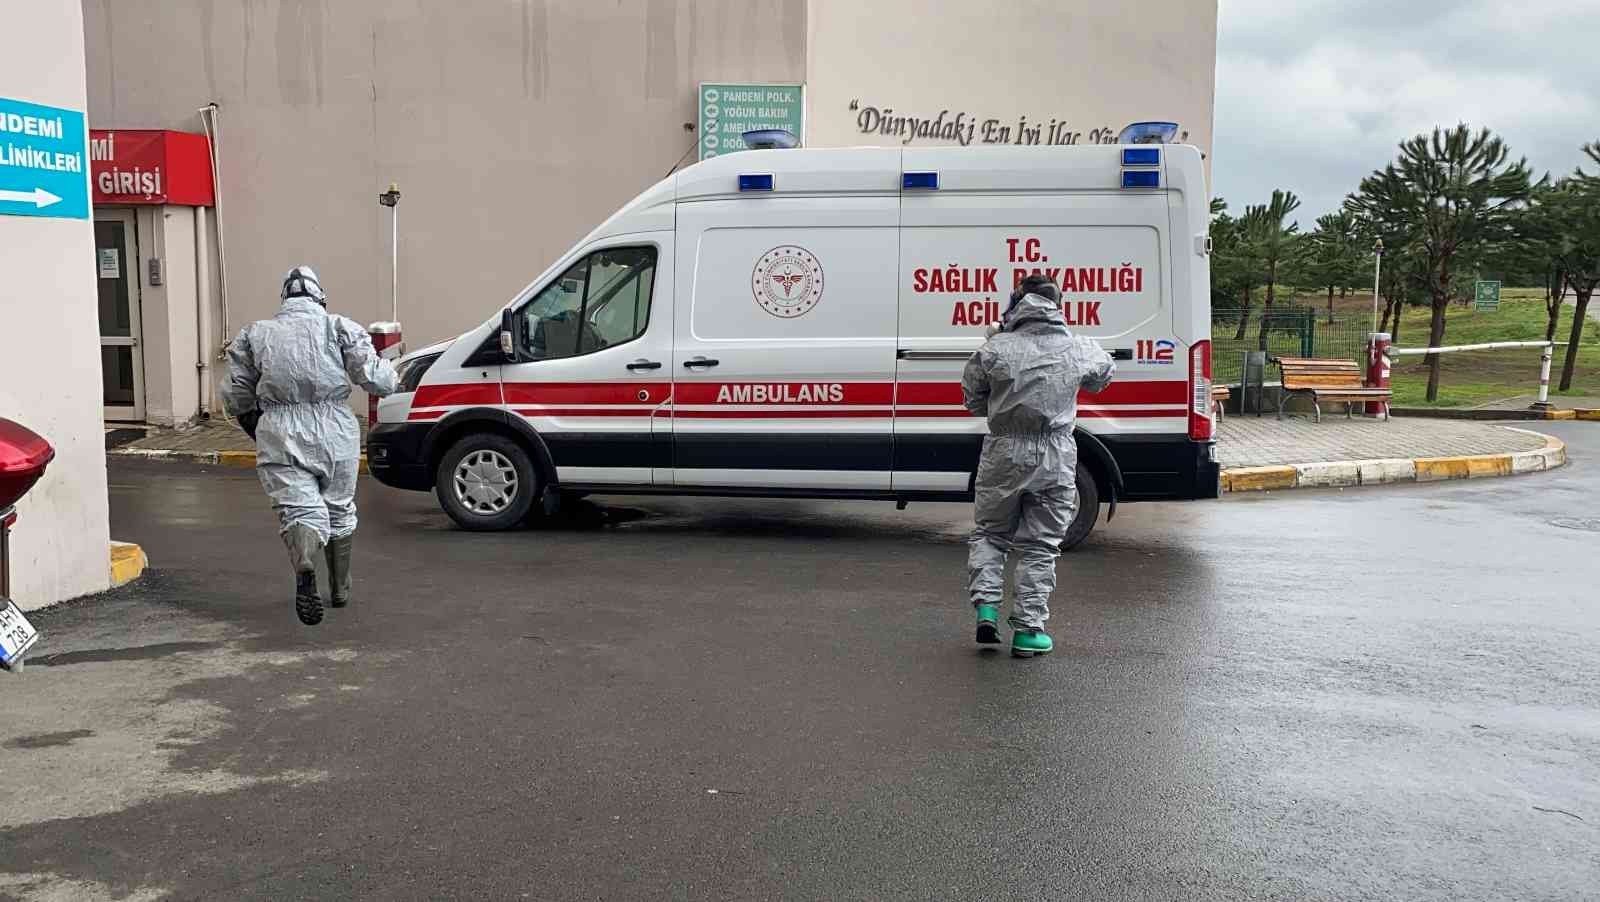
[(643, 364), (700, 361)]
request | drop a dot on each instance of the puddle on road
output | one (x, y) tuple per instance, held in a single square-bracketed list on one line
[(96, 731)]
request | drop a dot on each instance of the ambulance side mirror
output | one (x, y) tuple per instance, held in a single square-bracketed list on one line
[(508, 335)]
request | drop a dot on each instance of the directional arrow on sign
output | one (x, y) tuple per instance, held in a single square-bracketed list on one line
[(38, 197)]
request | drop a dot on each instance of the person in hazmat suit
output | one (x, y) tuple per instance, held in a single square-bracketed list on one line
[(1025, 380), (289, 387)]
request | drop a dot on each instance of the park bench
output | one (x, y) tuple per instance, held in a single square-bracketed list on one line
[(1327, 380), (1219, 394)]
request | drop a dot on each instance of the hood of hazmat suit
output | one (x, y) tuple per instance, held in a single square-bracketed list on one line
[(296, 369), (1025, 380)]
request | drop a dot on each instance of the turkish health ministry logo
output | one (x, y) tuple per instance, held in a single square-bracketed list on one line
[(787, 281)]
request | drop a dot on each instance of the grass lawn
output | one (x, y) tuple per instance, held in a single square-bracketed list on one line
[(1477, 377)]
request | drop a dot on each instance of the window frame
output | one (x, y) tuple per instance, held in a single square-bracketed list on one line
[(525, 336)]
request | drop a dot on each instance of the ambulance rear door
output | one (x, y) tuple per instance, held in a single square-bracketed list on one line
[(974, 223)]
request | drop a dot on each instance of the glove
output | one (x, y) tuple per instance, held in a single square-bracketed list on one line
[(247, 422)]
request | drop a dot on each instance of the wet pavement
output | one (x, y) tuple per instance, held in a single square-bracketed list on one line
[(1384, 693)]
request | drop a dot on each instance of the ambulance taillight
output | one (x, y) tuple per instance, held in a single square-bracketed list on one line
[(1200, 423)]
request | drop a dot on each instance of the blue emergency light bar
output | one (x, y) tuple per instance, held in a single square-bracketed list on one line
[(1141, 178), (927, 181), (755, 181), (1141, 156)]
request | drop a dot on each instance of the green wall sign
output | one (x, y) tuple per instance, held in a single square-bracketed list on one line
[(1487, 296), (728, 111)]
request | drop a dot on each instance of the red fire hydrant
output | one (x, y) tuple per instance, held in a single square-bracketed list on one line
[(1377, 370), (386, 339), (23, 456)]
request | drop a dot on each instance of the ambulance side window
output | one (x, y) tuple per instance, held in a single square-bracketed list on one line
[(601, 301)]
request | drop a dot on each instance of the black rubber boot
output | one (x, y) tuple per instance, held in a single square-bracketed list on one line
[(304, 545), (338, 555)]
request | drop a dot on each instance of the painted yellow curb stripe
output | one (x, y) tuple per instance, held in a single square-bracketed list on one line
[(1592, 413), (1433, 469), (1258, 479), (127, 563)]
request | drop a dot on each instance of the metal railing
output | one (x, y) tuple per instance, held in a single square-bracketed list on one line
[(1290, 331)]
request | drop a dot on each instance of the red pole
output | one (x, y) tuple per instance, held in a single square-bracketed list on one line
[(1377, 369), (387, 341)]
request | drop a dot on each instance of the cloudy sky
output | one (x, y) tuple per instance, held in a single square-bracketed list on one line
[(1312, 95)]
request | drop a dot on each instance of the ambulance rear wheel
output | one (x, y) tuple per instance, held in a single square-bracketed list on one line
[(1088, 510), (486, 482)]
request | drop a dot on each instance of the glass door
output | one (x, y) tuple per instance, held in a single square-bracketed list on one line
[(116, 253)]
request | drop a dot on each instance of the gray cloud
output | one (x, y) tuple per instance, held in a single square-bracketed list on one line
[(1312, 95)]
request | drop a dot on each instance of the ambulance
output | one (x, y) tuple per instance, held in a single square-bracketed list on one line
[(793, 324)]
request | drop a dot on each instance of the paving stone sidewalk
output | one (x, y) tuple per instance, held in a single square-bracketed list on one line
[(1245, 441), (1559, 401), (215, 435)]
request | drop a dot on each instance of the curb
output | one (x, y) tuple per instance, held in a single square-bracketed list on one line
[(1346, 473), (1474, 413), (127, 563), (244, 460)]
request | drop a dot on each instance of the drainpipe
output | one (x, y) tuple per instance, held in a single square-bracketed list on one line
[(208, 120), (202, 311)]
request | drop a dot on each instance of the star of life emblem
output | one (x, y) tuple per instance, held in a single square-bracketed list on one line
[(787, 281)]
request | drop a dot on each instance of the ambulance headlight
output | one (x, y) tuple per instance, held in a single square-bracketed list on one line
[(1149, 133), (412, 371)]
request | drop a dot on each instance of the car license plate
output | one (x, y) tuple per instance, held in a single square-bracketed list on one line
[(17, 635)]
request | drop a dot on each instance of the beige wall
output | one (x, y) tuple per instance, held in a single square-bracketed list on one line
[(1089, 65), (49, 343), (168, 318), (512, 126)]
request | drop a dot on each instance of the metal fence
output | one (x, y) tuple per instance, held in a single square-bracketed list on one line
[(1290, 332)]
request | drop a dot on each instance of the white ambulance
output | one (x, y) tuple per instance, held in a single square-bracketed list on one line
[(794, 323)]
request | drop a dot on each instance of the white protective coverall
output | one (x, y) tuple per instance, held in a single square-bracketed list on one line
[(296, 369), (1025, 380)]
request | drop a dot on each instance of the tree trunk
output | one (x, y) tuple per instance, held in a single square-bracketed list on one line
[(1244, 316), (1555, 293), (1441, 300), (1266, 311), (1330, 303), (1342, 290), (1399, 310), (1579, 314)]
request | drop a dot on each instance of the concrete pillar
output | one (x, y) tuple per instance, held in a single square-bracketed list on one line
[(50, 341)]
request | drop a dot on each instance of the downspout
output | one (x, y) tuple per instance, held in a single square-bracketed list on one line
[(202, 311), (208, 120)]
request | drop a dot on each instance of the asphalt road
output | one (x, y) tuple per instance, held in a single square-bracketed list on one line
[(1371, 694)]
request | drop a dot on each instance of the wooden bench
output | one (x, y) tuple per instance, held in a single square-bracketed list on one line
[(1327, 380), (1219, 393)]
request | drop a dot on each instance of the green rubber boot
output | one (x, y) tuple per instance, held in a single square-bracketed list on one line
[(988, 624), (1025, 643)]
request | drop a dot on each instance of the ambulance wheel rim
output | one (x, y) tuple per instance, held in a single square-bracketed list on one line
[(485, 482)]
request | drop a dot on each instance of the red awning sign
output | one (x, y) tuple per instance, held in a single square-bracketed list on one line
[(148, 166)]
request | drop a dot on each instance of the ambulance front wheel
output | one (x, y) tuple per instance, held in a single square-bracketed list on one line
[(486, 482), (1088, 510)]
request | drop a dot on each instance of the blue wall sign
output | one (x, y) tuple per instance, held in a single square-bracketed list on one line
[(44, 167)]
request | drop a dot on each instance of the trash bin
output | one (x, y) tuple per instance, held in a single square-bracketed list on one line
[(1253, 382), (23, 456)]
